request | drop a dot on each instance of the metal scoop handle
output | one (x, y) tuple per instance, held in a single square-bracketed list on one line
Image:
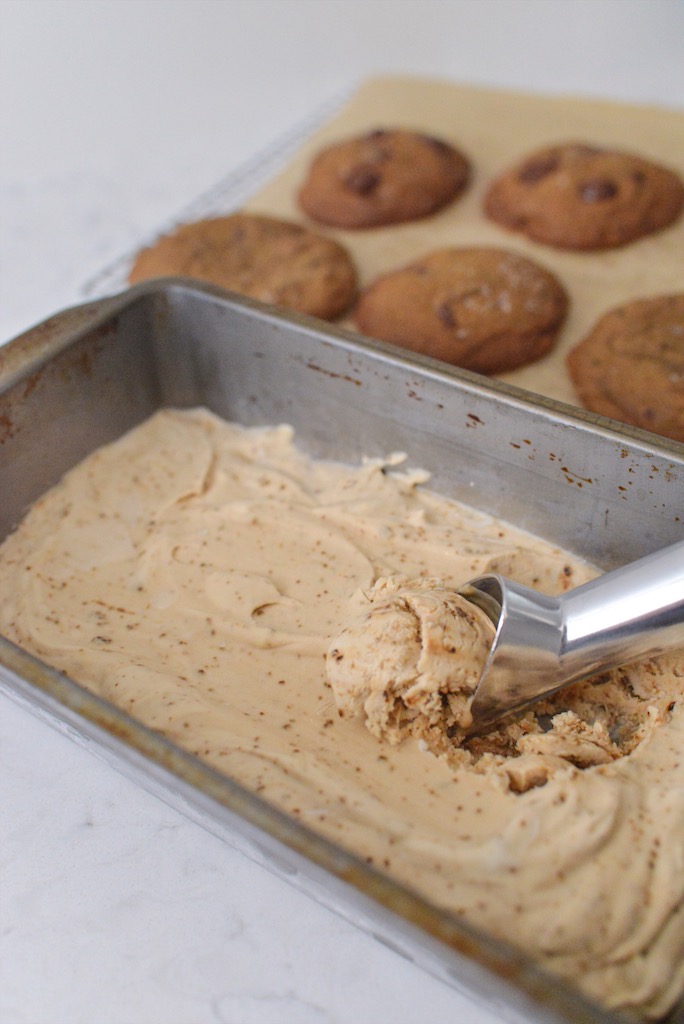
[(543, 643)]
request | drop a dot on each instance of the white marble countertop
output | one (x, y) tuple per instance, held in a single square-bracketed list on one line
[(114, 115)]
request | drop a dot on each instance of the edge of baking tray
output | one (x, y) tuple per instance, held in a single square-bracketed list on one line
[(226, 195), (433, 938)]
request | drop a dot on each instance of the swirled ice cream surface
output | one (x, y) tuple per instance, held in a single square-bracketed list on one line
[(196, 573)]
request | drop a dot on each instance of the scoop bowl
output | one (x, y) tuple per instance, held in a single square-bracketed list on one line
[(544, 643)]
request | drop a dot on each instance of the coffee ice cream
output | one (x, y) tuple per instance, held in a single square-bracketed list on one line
[(411, 662), (196, 574)]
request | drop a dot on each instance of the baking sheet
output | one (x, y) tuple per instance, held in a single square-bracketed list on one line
[(494, 128)]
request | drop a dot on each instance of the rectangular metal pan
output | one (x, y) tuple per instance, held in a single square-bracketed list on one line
[(87, 375)]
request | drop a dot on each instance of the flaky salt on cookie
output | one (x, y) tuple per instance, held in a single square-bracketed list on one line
[(386, 176), (262, 257), (411, 661), (575, 196), (483, 309)]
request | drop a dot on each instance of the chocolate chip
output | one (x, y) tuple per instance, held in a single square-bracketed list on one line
[(535, 170), (597, 190), (440, 145), (361, 179), (446, 315), (377, 133)]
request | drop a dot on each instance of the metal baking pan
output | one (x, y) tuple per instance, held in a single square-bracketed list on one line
[(87, 375)]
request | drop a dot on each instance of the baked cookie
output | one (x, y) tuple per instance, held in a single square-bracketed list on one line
[(631, 365), (575, 196), (487, 310), (383, 177), (268, 259)]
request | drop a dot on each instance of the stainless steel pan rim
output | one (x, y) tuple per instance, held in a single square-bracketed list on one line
[(401, 918)]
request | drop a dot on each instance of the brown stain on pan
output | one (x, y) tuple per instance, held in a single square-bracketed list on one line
[(333, 375)]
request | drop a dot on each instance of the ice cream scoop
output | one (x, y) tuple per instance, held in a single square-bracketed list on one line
[(544, 643)]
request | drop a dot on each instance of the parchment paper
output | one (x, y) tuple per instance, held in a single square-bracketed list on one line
[(495, 128)]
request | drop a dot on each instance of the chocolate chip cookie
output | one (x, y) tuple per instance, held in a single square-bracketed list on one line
[(262, 257), (631, 365), (576, 196), (483, 309), (383, 177)]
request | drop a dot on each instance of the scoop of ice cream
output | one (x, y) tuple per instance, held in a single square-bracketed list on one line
[(411, 661)]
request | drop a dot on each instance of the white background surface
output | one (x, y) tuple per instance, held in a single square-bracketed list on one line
[(114, 115)]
